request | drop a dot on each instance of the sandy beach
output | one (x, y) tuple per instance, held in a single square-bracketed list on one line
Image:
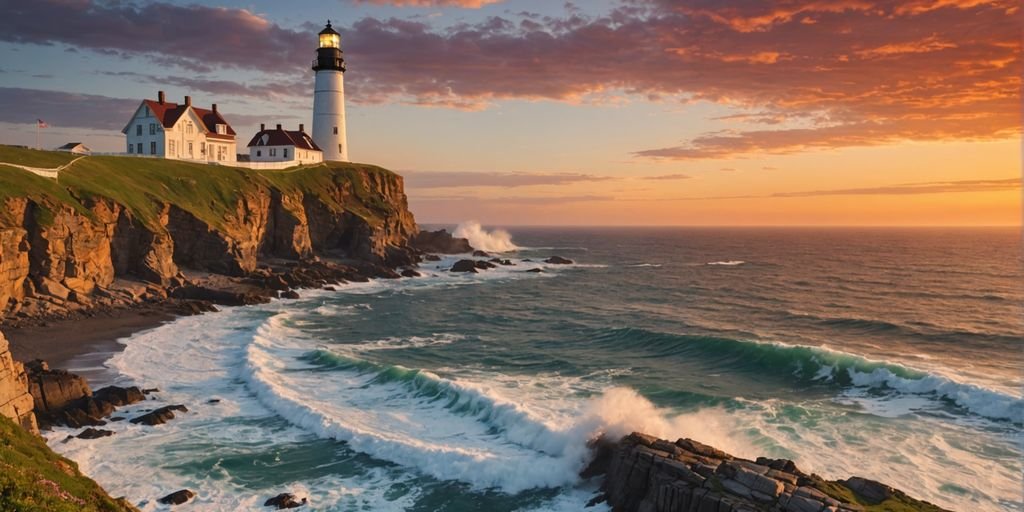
[(82, 345)]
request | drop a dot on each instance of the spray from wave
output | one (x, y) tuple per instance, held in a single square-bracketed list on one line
[(497, 240)]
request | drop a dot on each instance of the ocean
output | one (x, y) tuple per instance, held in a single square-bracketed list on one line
[(893, 354)]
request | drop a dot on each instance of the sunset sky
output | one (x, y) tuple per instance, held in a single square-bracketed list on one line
[(597, 112)]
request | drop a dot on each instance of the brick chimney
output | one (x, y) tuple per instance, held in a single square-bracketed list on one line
[(263, 127), (302, 127), (160, 97), (278, 126), (214, 107), (188, 101)]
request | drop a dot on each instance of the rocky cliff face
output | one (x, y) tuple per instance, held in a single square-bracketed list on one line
[(15, 401), (646, 474), (67, 255)]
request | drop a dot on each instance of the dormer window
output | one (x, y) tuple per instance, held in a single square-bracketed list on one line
[(222, 129)]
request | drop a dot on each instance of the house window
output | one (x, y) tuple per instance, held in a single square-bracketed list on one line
[(138, 129), (285, 150), (189, 149), (138, 148), (131, 147), (259, 153), (170, 147), (152, 148), (222, 129), (188, 128), (273, 152), (152, 128), (202, 148), (145, 111), (339, 148), (335, 130)]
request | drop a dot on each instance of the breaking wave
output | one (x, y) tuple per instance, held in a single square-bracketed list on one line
[(497, 240), (449, 429), (820, 364)]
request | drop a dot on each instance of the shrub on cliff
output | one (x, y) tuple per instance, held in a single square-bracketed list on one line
[(33, 477)]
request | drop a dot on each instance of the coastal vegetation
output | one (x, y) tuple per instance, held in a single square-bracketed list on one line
[(208, 192), (33, 477)]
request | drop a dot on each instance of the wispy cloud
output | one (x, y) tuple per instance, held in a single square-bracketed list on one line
[(469, 4), (667, 177), (901, 189), (516, 200), (455, 179)]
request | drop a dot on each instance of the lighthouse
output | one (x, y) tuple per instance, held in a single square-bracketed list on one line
[(329, 97)]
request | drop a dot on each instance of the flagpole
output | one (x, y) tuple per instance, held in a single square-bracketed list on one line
[(37, 134)]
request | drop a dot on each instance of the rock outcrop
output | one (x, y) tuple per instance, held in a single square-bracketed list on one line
[(16, 402), (643, 473), (77, 247), (441, 242), (159, 416)]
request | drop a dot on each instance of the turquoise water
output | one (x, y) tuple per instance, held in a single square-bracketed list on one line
[(891, 354)]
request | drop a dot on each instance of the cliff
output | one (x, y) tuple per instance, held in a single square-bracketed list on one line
[(70, 244), (15, 401), (646, 474)]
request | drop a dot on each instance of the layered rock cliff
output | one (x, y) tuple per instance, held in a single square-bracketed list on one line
[(15, 401), (66, 245), (646, 474)]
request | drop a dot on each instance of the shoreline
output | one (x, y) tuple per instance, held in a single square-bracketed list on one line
[(82, 345)]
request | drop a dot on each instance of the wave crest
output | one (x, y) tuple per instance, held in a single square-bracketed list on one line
[(497, 240)]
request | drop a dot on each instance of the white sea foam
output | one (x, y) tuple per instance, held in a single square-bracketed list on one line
[(977, 399), (728, 263), (497, 240), (449, 429)]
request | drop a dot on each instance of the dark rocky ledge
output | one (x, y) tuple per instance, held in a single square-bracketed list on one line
[(646, 474)]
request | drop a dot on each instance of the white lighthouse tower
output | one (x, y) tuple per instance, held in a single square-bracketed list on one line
[(329, 97)]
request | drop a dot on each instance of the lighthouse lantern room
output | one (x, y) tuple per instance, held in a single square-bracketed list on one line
[(329, 97)]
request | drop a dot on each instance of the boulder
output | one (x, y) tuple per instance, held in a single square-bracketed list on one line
[(53, 390), (535, 270), (410, 273), (484, 265), (481, 254), (290, 294), (119, 396), (468, 266), (558, 260), (285, 500), (441, 242), (177, 497), (159, 416), (431, 257), (872, 491), (94, 433)]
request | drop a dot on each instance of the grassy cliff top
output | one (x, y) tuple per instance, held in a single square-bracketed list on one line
[(33, 477), (210, 192)]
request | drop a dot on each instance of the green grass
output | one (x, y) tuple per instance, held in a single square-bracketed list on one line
[(34, 478), (898, 503), (33, 157), (208, 192)]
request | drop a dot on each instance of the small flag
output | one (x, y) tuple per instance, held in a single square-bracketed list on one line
[(41, 124)]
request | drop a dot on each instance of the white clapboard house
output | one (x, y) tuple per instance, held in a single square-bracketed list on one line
[(163, 129), (280, 145)]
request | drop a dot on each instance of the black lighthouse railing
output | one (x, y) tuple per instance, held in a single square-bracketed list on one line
[(329, 58)]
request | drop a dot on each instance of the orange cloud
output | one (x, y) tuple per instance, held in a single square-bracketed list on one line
[(471, 4)]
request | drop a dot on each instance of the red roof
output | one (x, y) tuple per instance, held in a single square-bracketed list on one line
[(169, 113), (283, 137)]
